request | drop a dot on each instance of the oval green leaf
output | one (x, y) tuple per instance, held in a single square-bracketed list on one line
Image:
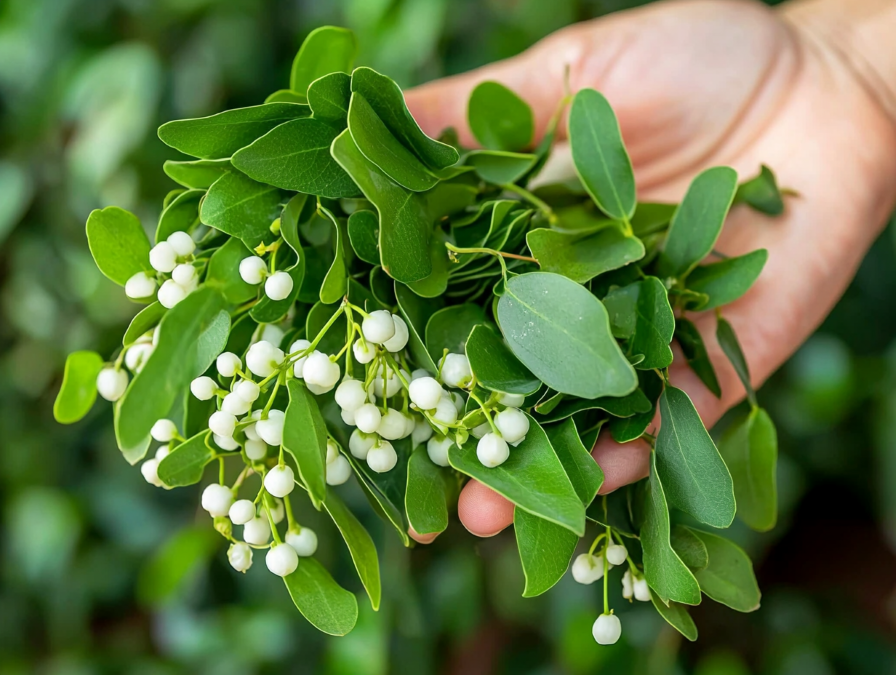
[(495, 366), (327, 605), (360, 546), (78, 392), (499, 119), (545, 551), (727, 280), (186, 463), (583, 257), (728, 578), (198, 174), (750, 449), (118, 243), (425, 496), (241, 207), (327, 49), (305, 438)]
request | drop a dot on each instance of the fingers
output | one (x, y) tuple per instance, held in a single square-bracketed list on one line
[(621, 463), (422, 538), (482, 511)]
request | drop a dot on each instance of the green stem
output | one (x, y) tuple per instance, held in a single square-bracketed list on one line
[(606, 577), (540, 204)]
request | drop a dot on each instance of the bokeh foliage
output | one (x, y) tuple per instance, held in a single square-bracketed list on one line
[(84, 584)]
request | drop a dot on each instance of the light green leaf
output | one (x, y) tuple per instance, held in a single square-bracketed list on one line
[(728, 342), (181, 215), (305, 438), (404, 219), (583, 472), (425, 496), (335, 284), (186, 463), (285, 96), (363, 232), (78, 392), (198, 174), (499, 167), (677, 616), (450, 328), (494, 365), (499, 119), (327, 606), (224, 272), (728, 578), (434, 285), (241, 207), (583, 257), (750, 449), (727, 280), (761, 193), (532, 478), (118, 243), (296, 156), (545, 551), (360, 546), (561, 332), (221, 135), (623, 406), (698, 221), (694, 349), (417, 312), (326, 50), (694, 475), (176, 563), (599, 154), (329, 98), (144, 320)]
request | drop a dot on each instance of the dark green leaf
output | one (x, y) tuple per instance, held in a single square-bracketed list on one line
[(363, 232), (417, 312), (326, 50), (221, 135), (241, 207), (360, 546), (650, 218), (335, 284), (676, 615), (615, 510), (78, 391), (425, 497), (494, 365), (695, 352), (382, 288), (499, 119), (329, 98), (750, 448), (583, 472), (224, 272), (450, 329), (305, 438), (694, 475), (118, 243), (623, 406), (583, 257), (186, 463), (448, 198), (599, 154), (198, 174), (146, 319), (654, 327), (689, 547), (630, 428), (386, 491), (499, 167), (436, 283), (270, 311), (327, 606), (727, 280), (545, 551), (761, 193), (181, 215), (317, 318), (562, 334), (730, 345), (728, 578)]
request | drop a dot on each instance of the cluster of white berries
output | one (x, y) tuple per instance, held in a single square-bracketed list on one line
[(164, 431), (112, 380), (172, 256), (254, 270)]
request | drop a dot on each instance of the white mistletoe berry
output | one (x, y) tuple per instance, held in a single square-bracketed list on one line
[(257, 531), (445, 411), (359, 443), (512, 400), (303, 540), (364, 353), (270, 430), (269, 332), (368, 418), (171, 293), (240, 556), (256, 450), (587, 568), (227, 364), (350, 395), (378, 326), (298, 366), (393, 425), (150, 471), (241, 511), (607, 629), (280, 481), (235, 404), (137, 355), (400, 337), (348, 416), (513, 424), (184, 275), (163, 257), (338, 471), (111, 383), (616, 554), (332, 450), (437, 448), (492, 450), (321, 371), (425, 392), (382, 457), (163, 451), (422, 431), (278, 512), (253, 270), (278, 286), (247, 390), (282, 560), (417, 373), (456, 370), (182, 243), (388, 386), (217, 499), (203, 388), (481, 430), (225, 442), (263, 358), (627, 589), (163, 431), (141, 285), (222, 423), (641, 589)]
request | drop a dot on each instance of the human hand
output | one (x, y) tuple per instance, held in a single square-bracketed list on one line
[(700, 83)]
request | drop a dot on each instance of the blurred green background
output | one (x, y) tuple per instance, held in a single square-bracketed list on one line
[(84, 584)]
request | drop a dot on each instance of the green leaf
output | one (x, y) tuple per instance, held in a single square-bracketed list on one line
[(499, 119), (296, 156), (750, 449), (403, 217), (532, 478), (198, 174), (221, 135), (494, 365), (241, 207), (499, 167), (651, 217), (387, 101), (186, 463), (363, 232), (448, 198), (118, 243), (698, 221), (615, 510), (628, 429), (727, 280), (334, 338), (191, 335), (386, 491), (676, 615), (761, 193), (425, 496), (335, 283), (689, 547), (730, 345), (695, 352), (624, 406), (327, 606), (417, 312), (176, 563), (599, 154), (78, 392), (326, 50), (583, 257), (583, 472), (694, 475), (545, 551), (360, 546), (181, 215), (654, 326), (329, 98), (224, 272), (305, 438), (562, 334), (450, 328), (145, 319), (434, 285), (285, 96), (728, 578), (667, 575), (381, 148)]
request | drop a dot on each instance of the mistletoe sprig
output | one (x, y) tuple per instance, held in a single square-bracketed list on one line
[(333, 294)]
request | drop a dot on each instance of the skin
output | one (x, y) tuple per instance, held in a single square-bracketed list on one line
[(701, 83)]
